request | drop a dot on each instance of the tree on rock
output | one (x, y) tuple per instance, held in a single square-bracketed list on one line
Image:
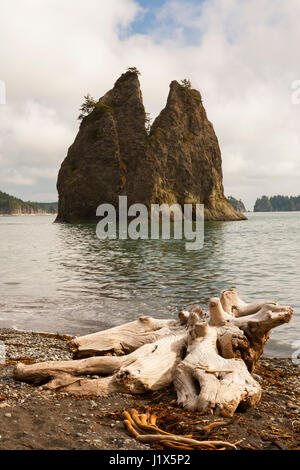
[(186, 83), (87, 106), (148, 121), (133, 70)]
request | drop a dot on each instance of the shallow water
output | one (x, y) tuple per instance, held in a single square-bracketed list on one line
[(62, 278)]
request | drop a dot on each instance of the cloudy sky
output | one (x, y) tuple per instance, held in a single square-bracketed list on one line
[(243, 55)]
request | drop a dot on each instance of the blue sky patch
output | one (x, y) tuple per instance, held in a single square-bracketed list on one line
[(148, 20)]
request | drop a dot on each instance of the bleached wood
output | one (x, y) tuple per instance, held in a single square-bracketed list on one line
[(154, 364), (121, 339), (150, 367), (218, 317), (206, 381), (85, 386), (232, 304), (246, 336), (209, 362), (42, 371)]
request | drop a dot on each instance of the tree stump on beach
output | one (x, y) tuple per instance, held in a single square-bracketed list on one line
[(209, 360)]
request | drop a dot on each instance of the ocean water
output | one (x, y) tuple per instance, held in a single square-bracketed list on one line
[(62, 278)]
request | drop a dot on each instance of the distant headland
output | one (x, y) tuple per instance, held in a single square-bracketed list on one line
[(10, 205), (277, 204)]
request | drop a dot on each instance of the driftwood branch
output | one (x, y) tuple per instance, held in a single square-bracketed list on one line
[(143, 428), (209, 362)]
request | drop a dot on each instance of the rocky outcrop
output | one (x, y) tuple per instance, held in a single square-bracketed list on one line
[(109, 147), (189, 165), (237, 204), (112, 155)]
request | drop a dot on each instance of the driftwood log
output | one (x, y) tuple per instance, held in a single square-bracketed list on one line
[(208, 359)]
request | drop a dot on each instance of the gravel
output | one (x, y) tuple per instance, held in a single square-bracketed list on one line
[(34, 418)]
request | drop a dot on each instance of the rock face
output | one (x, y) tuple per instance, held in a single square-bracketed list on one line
[(112, 155), (238, 205)]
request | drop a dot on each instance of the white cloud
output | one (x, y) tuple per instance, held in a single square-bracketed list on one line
[(13, 177), (242, 56)]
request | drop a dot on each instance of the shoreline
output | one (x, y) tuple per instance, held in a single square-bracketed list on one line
[(25, 215), (33, 418)]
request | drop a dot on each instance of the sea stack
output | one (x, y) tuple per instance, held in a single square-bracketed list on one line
[(113, 155)]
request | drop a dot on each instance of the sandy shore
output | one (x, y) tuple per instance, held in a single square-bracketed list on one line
[(33, 418)]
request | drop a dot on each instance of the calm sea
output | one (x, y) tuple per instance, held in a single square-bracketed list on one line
[(61, 278)]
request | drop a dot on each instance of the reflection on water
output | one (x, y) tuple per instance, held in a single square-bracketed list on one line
[(126, 268), (58, 277)]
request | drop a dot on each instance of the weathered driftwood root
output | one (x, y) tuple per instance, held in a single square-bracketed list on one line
[(143, 428), (244, 328), (206, 381), (150, 367), (209, 363), (123, 339)]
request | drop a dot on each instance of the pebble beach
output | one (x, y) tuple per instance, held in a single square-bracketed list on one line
[(35, 418)]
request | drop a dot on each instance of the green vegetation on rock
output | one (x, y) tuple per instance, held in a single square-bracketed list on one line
[(87, 106), (103, 107), (133, 70), (186, 83)]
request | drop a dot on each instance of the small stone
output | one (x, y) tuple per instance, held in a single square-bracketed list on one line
[(7, 415), (296, 425), (258, 378)]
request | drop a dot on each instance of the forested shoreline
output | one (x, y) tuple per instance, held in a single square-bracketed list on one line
[(277, 204), (10, 205)]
